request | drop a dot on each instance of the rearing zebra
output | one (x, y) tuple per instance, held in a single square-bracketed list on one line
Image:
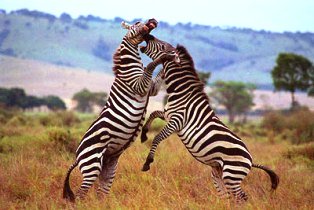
[(189, 114), (122, 117)]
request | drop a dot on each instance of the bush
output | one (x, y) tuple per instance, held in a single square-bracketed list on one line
[(67, 118), (297, 126), (61, 118), (18, 120), (62, 139), (5, 114), (273, 121), (306, 150)]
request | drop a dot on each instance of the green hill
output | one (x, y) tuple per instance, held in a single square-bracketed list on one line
[(89, 42)]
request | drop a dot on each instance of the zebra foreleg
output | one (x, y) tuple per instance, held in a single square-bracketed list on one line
[(164, 133), (146, 127), (107, 175)]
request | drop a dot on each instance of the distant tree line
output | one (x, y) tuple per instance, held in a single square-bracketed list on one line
[(86, 100), (35, 14), (17, 98)]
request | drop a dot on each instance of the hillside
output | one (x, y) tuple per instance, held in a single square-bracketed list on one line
[(89, 42), (42, 79)]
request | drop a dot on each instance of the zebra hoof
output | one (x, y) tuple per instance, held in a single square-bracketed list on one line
[(144, 135), (146, 167)]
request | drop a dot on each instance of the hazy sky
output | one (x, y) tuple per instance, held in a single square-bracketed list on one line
[(271, 15)]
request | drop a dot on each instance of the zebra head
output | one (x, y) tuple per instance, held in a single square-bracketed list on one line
[(155, 48), (137, 31)]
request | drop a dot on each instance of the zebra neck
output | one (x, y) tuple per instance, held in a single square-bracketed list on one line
[(182, 81), (130, 45)]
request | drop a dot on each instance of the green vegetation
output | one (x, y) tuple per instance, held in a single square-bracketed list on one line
[(37, 149), (204, 76), (236, 97), (16, 97), (86, 100), (293, 72), (296, 126)]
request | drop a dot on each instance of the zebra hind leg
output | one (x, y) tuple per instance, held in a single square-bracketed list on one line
[(232, 183), (107, 175), (89, 177), (216, 176)]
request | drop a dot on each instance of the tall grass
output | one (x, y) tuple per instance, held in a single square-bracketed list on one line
[(34, 161)]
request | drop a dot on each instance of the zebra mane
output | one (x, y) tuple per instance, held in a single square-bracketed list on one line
[(116, 61), (188, 60)]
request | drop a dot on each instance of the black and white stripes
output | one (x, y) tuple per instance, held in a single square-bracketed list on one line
[(122, 117), (189, 114)]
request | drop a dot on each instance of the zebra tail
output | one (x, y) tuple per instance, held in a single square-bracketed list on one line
[(67, 192), (273, 176)]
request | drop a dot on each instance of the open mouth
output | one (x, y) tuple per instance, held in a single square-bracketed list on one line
[(151, 24)]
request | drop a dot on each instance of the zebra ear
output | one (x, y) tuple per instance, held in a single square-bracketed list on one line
[(125, 25)]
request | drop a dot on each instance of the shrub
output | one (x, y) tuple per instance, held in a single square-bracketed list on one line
[(61, 118), (5, 115), (273, 121), (297, 126), (302, 123), (67, 118), (62, 139), (306, 150), (18, 120)]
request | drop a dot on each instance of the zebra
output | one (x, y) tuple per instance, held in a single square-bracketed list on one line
[(122, 117), (188, 113)]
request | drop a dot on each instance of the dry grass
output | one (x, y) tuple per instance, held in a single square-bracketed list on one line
[(33, 169)]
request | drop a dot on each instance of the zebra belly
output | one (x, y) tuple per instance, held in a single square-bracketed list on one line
[(211, 145), (110, 133)]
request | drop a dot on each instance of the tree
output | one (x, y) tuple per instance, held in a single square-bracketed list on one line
[(292, 72), (54, 103), (86, 100), (204, 76), (16, 97), (236, 97)]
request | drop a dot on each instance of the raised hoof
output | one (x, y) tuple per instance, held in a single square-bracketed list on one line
[(144, 135), (146, 167)]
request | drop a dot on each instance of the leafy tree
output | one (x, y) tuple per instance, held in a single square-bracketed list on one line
[(16, 97), (293, 72), (100, 98), (236, 97), (204, 76), (86, 99), (31, 102), (65, 18), (54, 103)]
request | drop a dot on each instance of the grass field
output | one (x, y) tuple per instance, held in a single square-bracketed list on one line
[(37, 149)]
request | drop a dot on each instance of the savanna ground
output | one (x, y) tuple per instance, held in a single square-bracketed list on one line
[(37, 149)]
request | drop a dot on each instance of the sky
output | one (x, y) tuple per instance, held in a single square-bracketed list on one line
[(269, 15)]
